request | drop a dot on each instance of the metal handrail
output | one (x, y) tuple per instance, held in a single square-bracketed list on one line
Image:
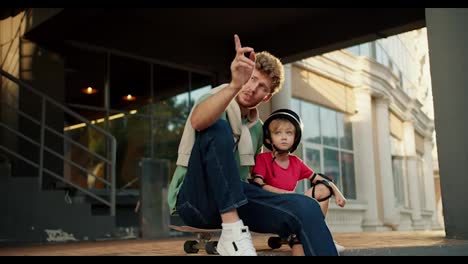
[(68, 139), (43, 128)]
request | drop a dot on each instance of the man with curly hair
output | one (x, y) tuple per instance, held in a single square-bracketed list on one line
[(222, 136)]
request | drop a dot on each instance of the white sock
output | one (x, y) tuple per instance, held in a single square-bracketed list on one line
[(232, 225)]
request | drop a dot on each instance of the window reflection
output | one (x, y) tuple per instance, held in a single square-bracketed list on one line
[(322, 129), (148, 127), (329, 129), (348, 181), (310, 117)]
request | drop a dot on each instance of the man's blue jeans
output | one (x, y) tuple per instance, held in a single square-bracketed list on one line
[(212, 186)]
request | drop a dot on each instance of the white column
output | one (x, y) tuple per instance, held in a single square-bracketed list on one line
[(364, 158), (283, 98), (429, 180), (391, 217), (412, 174)]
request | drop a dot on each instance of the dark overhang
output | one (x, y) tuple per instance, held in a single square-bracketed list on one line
[(203, 37)]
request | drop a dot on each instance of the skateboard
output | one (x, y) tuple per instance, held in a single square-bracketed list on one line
[(203, 239)]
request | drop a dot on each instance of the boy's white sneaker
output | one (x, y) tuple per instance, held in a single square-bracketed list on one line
[(236, 241)]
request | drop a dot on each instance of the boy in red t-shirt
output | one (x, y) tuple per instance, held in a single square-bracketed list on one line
[(279, 171)]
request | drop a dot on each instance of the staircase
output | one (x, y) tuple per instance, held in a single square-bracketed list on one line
[(34, 213), (31, 215)]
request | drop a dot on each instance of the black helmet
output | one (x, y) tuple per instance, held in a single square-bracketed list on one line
[(286, 114)]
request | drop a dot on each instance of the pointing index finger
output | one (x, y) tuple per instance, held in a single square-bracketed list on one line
[(237, 42)]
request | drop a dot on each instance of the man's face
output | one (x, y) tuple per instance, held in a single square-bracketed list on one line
[(255, 91)]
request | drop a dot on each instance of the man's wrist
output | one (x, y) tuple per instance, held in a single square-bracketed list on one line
[(234, 86)]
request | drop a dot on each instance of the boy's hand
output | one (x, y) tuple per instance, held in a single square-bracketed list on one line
[(340, 200)]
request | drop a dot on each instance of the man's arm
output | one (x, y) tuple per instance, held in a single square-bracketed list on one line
[(208, 111)]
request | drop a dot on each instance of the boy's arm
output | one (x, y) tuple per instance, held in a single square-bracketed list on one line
[(269, 188), (339, 197)]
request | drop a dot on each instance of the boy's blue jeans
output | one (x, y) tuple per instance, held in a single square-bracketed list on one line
[(212, 186)]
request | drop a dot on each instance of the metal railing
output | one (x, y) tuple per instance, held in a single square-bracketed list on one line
[(43, 149)]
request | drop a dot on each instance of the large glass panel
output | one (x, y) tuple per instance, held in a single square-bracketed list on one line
[(332, 164), (200, 85), (170, 111), (422, 182), (398, 182), (312, 123), (91, 141), (348, 184), (129, 83), (84, 94), (312, 159), (83, 70), (130, 95), (323, 128), (132, 132), (296, 106), (172, 105), (345, 131), (329, 129)]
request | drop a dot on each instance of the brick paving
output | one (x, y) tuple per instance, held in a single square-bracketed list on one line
[(174, 246)]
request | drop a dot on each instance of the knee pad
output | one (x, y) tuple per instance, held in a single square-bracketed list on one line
[(327, 184)]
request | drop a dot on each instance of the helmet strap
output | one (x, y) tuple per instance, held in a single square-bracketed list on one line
[(275, 150)]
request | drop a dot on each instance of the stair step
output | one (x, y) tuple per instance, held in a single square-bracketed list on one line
[(34, 215)]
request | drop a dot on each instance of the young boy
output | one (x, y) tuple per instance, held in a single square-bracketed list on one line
[(279, 171)]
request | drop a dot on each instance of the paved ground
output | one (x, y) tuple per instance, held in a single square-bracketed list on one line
[(366, 243)]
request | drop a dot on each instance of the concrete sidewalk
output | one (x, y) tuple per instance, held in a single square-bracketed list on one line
[(394, 243)]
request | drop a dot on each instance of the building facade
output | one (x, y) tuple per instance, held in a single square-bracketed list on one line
[(368, 119)]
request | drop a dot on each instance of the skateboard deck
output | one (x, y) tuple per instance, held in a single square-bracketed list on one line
[(203, 240), (191, 229)]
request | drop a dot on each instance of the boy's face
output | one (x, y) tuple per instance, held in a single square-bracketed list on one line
[(255, 91), (283, 136)]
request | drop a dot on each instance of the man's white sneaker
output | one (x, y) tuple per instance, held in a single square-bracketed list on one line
[(339, 247), (236, 242)]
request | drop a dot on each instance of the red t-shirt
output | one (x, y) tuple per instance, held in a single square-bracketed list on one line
[(282, 178)]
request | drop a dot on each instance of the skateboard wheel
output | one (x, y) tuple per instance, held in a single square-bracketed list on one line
[(189, 246), (274, 242), (210, 247)]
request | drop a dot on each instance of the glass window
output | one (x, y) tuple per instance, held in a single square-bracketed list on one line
[(312, 125), (322, 128), (328, 127), (313, 160), (348, 184), (398, 181), (345, 131), (296, 107), (422, 182), (331, 164)]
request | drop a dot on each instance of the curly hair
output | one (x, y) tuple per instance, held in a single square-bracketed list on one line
[(272, 67)]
